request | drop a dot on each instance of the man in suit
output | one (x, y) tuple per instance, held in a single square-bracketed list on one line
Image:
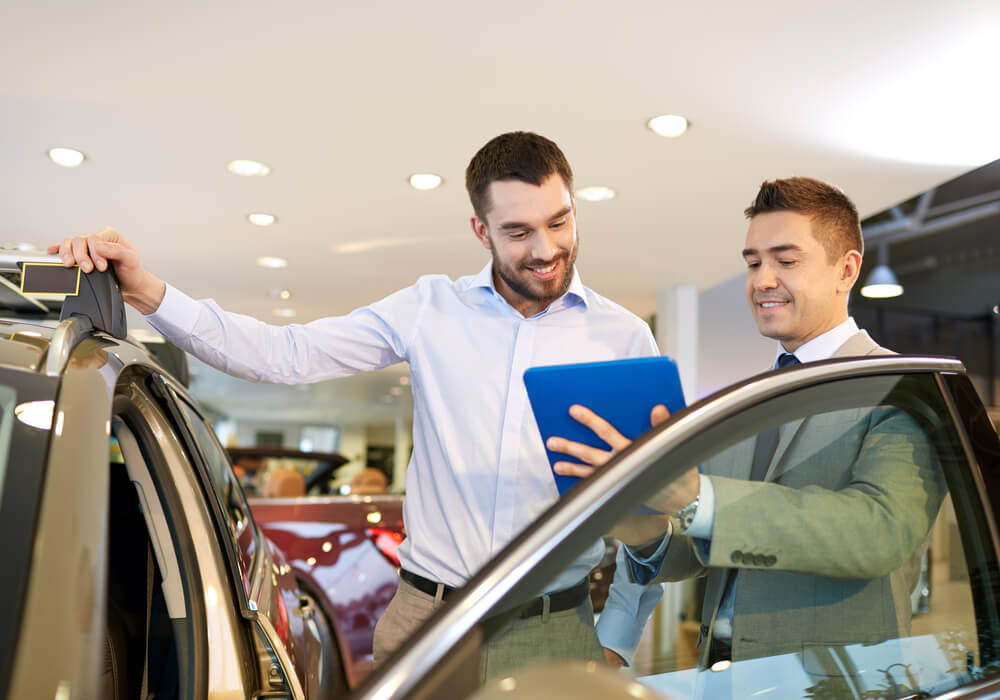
[(809, 534)]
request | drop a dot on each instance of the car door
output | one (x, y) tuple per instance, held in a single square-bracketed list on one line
[(863, 564)]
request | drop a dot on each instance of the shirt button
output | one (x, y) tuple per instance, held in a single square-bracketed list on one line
[(736, 557)]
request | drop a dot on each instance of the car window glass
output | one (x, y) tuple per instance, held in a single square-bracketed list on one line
[(856, 565), (227, 490), (8, 396)]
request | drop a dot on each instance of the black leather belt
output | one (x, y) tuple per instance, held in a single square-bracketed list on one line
[(565, 599), (424, 585)]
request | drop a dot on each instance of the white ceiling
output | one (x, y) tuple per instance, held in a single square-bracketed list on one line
[(344, 100)]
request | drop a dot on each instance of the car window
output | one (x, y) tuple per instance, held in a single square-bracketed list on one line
[(227, 490), (858, 564)]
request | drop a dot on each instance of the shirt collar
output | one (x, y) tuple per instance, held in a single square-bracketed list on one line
[(576, 293), (823, 346)]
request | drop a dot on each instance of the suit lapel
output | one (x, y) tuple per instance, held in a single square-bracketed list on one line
[(859, 344)]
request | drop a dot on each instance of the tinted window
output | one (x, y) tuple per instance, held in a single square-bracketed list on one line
[(227, 491), (860, 564)]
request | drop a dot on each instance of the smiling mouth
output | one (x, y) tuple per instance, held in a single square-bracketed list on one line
[(771, 304), (544, 272)]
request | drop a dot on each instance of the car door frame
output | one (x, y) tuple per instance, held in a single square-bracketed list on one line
[(587, 512)]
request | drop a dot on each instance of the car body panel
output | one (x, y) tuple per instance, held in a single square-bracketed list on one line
[(326, 542), (60, 627)]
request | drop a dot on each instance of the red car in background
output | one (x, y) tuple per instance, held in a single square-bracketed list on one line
[(342, 549)]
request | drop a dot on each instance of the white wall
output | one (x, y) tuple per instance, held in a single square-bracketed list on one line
[(729, 346)]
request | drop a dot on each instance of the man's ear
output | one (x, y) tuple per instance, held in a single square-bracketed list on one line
[(479, 228), (850, 268)]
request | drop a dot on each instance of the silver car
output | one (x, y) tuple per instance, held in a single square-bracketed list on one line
[(134, 568)]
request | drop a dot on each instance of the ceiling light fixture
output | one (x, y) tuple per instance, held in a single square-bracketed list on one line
[(882, 282), (425, 181), (272, 262), (261, 219), (595, 193), (668, 125), (284, 312), (248, 168), (281, 293), (66, 157)]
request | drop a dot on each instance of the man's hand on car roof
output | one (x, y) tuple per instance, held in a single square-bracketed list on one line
[(140, 288)]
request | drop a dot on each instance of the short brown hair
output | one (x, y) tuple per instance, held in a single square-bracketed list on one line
[(838, 228), (517, 155)]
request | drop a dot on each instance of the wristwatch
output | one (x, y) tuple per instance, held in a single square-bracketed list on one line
[(685, 516)]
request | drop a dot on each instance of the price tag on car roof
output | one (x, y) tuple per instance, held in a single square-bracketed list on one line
[(49, 278)]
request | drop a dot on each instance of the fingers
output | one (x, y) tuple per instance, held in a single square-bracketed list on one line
[(92, 251), (601, 427), (80, 252), (573, 469), (658, 415), (585, 453)]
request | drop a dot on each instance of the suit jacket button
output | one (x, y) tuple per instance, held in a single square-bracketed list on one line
[(770, 560), (748, 559), (736, 557)]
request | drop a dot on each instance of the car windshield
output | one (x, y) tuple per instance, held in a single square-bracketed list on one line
[(857, 562)]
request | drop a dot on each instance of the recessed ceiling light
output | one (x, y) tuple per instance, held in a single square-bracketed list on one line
[(283, 294), (284, 312), (248, 168), (425, 181), (595, 193), (669, 125), (66, 157), (261, 219), (268, 261)]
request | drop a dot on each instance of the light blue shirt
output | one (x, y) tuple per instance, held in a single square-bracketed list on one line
[(478, 473)]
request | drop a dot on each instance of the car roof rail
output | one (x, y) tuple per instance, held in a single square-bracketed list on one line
[(93, 300)]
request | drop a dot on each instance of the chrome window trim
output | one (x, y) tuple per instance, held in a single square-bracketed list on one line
[(68, 334), (457, 618)]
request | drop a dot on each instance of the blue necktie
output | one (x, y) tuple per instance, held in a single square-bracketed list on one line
[(767, 441)]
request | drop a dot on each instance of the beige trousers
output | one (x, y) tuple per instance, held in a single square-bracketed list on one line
[(512, 642)]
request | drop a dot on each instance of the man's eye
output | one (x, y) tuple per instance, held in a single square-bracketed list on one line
[(753, 264), (786, 263), (517, 235), (559, 224)]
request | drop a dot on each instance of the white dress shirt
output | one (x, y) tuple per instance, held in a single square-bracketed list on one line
[(478, 473)]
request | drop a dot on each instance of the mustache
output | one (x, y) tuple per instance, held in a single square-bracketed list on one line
[(541, 263)]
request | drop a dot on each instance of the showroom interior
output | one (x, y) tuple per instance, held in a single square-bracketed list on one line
[(301, 161)]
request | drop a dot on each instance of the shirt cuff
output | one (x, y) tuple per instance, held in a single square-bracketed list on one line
[(644, 569), (704, 517), (621, 624), (176, 315)]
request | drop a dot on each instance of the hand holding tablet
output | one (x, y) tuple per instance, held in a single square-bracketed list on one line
[(586, 413)]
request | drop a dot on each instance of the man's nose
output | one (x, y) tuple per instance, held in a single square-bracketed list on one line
[(544, 246), (764, 277)]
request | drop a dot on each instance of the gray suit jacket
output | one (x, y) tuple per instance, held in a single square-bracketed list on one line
[(826, 549)]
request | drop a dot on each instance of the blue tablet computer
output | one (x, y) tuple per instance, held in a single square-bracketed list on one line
[(623, 392)]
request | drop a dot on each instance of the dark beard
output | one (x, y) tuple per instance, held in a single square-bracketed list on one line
[(525, 291)]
